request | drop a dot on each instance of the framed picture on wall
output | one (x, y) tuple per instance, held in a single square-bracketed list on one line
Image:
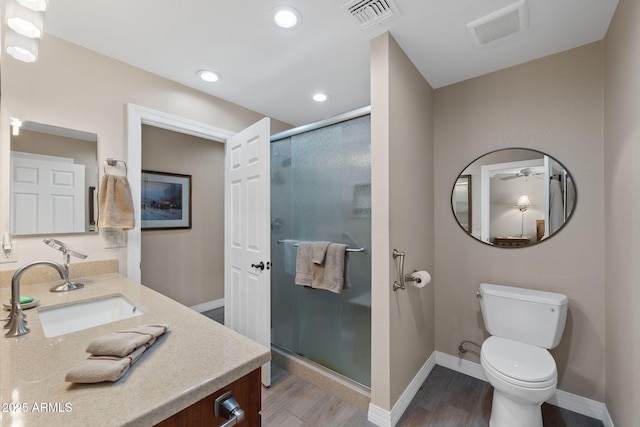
[(166, 201)]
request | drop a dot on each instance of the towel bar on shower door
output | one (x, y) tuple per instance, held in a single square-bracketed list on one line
[(348, 248)]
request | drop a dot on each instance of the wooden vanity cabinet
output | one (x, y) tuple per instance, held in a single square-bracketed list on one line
[(247, 391)]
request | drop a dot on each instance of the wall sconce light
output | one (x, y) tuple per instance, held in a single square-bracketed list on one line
[(37, 5), (15, 126), (523, 204), (22, 48), (25, 21)]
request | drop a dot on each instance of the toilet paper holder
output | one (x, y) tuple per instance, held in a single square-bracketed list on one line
[(402, 277)]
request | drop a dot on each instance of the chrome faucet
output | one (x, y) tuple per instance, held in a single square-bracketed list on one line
[(66, 256), (15, 322)]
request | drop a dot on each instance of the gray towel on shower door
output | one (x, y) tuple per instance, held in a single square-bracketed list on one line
[(319, 252), (332, 275), (304, 264)]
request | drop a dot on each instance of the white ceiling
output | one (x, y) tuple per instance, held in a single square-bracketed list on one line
[(275, 72)]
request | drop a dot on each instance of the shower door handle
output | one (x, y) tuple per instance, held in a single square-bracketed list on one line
[(260, 266)]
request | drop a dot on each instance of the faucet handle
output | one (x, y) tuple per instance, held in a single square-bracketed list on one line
[(63, 247)]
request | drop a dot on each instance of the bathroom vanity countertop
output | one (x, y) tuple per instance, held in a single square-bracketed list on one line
[(195, 358)]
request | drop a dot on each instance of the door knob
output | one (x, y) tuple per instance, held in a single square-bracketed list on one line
[(260, 266)]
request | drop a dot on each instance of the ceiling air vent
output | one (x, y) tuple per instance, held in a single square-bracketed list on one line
[(509, 20), (371, 12)]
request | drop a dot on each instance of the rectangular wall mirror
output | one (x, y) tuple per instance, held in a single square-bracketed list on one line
[(54, 179)]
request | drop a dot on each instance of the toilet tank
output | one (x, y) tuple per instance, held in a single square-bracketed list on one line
[(524, 315)]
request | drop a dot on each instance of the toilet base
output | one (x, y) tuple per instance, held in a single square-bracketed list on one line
[(506, 412)]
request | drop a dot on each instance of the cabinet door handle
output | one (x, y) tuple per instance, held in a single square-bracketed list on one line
[(227, 407)]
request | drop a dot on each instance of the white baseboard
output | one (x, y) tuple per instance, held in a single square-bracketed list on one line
[(606, 417), (384, 418), (461, 365), (578, 404), (378, 416), (562, 399), (210, 305)]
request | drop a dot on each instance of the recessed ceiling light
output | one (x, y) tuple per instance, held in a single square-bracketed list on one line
[(320, 97), (287, 17), (208, 76)]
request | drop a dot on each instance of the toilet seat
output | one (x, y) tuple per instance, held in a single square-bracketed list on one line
[(518, 363)]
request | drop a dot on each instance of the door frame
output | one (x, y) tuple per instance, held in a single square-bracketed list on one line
[(486, 172), (136, 117)]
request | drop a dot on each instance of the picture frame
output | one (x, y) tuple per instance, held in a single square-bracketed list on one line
[(165, 201)]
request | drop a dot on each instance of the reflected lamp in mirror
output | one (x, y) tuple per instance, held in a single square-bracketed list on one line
[(523, 205), (541, 186), (54, 176)]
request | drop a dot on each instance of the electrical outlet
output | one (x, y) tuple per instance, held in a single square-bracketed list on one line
[(13, 255), (115, 238)]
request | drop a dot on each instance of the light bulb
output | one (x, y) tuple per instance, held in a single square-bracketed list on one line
[(320, 97), (208, 76), (287, 17)]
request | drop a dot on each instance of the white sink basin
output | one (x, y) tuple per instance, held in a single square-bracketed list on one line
[(85, 314)]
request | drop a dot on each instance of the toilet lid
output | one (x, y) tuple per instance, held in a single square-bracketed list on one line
[(518, 360)]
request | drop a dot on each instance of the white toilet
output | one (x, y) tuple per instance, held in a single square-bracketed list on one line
[(524, 323)]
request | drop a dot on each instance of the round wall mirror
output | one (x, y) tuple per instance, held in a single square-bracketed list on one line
[(513, 198)]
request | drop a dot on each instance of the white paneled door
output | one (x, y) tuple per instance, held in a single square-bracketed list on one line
[(247, 275), (47, 195)]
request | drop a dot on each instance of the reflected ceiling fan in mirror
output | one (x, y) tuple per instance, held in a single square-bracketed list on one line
[(522, 173)]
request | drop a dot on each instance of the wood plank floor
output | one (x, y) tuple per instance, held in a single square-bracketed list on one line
[(216, 314), (292, 402), (447, 398)]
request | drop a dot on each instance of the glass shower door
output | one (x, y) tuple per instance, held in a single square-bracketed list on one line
[(321, 191)]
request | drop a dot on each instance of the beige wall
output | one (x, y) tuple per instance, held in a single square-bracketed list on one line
[(73, 87), (402, 218), (622, 204), (187, 265), (554, 105)]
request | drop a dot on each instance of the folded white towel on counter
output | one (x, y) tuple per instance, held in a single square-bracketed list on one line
[(122, 343), (107, 361), (97, 369)]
